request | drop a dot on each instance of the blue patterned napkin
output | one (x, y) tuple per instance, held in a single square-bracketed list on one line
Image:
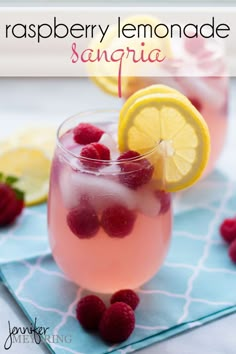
[(195, 285), (27, 238)]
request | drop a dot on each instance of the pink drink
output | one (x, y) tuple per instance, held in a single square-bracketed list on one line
[(207, 89), (104, 262)]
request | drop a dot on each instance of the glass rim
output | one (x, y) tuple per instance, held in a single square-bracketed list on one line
[(105, 162)]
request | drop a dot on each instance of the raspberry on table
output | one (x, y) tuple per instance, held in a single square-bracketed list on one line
[(127, 296), (232, 251), (117, 323), (95, 151), (134, 173), (89, 311), (83, 221), (165, 201), (117, 220), (86, 133), (228, 230), (11, 204)]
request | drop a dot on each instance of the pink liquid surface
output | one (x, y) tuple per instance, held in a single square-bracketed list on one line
[(105, 264)]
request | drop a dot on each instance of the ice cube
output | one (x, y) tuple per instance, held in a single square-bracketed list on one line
[(148, 203), (112, 169), (100, 191), (75, 163), (69, 191), (107, 140)]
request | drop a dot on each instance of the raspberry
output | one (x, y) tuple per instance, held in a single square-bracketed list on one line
[(95, 151), (89, 311), (117, 323), (196, 103), (83, 221), (128, 155), (86, 133), (11, 204), (103, 151), (117, 220), (127, 296), (134, 174), (165, 201), (228, 230), (232, 251), (90, 152)]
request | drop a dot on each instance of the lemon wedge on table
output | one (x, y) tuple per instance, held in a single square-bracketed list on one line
[(40, 136), (4, 145), (32, 167), (105, 74), (162, 120)]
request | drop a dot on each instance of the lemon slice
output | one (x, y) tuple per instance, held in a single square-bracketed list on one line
[(32, 167), (105, 74), (170, 126), (4, 145), (152, 89), (41, 136)]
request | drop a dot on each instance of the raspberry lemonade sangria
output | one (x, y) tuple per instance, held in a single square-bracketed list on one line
[(109, 212)]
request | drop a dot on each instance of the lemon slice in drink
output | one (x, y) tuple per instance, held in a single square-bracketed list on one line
[(105, 74), (170, 126), (32, 167)]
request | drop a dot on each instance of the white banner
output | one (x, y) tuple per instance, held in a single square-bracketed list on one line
[(117, 41)]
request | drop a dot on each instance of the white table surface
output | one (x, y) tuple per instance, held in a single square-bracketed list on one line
[(23, 101)]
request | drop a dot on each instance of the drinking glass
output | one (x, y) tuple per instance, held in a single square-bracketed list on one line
[(127, 230)]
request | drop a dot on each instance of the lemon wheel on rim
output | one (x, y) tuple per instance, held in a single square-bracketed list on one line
[(166, 122)]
